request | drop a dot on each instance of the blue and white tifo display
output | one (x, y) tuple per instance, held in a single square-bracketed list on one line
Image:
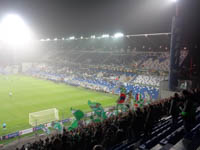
[(109, 84)]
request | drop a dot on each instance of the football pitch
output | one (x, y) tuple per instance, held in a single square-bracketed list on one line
[(21, 95)]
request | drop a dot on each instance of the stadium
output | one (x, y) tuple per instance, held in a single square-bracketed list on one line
[(102, 91)]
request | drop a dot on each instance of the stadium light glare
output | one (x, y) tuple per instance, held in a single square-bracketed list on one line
[(81, 37), (48, 39), (174, 1), (55, 39), (93, 37), (63, 39), (105, 36), (72, 38), (14, 31), (118, 35), (42, 40)]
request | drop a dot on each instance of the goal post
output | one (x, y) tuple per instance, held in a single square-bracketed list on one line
[(44, 116)]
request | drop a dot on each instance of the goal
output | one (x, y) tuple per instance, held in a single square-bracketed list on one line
[(44, 116)]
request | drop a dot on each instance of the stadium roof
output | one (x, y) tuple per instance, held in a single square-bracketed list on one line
[(58, 18), (115, 36)]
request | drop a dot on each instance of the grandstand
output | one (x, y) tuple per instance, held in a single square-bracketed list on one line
[(139, 71), (100, 92), (119, 65)]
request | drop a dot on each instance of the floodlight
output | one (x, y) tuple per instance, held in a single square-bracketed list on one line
[(48, 39), (72, 38), (105, 36), (55, 39), (81, 37), (42, 40), (118, 35), (173, 1), (14, 31), (63, 39), (93, 37)]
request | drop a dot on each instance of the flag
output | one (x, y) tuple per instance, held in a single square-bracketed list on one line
[(123, 90), (138, 96), (58, 126), (97, 109), (121, 107), (121, 98), (93, 105), (95, 119), (74, 125), (78, 114)]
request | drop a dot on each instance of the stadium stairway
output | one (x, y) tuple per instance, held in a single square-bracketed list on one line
[(177, 142), (165, 137), (158, 135), (177, 136), (135, 142), (169, 136)]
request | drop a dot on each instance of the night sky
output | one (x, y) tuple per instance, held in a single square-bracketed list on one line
[(63, 18)]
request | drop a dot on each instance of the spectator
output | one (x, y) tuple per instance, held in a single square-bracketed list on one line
[(188, 112), (174, 108), (127, 125)]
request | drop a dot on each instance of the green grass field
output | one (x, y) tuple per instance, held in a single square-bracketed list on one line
[(31, 95)]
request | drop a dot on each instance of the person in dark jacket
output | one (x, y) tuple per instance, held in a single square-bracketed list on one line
[(174, 109), (188, 112)]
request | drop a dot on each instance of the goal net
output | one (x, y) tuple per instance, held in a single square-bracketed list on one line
[(44, 116)]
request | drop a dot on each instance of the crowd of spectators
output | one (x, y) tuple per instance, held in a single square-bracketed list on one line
[(98, 79), (149, 80), (157, 61), (127, 125), (103, 71)]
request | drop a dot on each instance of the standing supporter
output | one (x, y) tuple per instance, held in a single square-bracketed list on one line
[(129, 99), (115, 129), (174, 108), (188, 112)]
